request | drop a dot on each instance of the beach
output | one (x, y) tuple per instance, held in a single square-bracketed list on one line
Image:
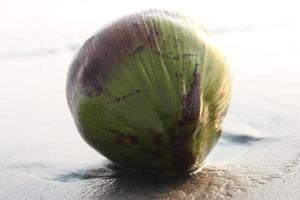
[(43, 156)]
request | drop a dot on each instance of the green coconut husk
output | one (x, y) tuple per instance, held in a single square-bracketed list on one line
[(150, 92)]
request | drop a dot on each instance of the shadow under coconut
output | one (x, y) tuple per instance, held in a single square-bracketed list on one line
[(115, 183), (108, 181)]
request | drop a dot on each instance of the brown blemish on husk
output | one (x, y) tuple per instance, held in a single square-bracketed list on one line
[(191, 102), (180, 142), (157, 140), (118, 99), (123, 139), (188, 55), (94, 61), (139, 49), (183, 159)]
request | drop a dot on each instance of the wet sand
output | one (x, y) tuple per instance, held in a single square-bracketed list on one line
[(258, 156)]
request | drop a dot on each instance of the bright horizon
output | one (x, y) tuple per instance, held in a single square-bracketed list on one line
[(56, 23)]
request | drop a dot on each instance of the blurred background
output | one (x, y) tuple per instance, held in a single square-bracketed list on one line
[(42, 154), (31, 27)]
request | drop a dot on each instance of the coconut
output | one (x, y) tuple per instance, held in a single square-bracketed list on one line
[(149, 92)]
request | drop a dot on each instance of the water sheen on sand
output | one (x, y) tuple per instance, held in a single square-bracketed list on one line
[(43, 156)]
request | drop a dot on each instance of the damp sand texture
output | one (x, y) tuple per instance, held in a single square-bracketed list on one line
[(257, 157)]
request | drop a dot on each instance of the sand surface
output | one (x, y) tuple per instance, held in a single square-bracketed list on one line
[(43, 157)]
